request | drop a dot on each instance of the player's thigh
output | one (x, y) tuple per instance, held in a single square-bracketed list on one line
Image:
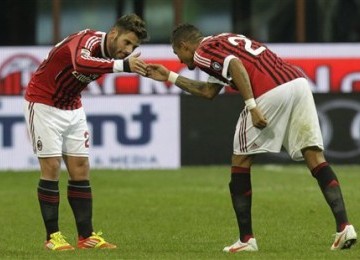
[(76, 137), (276, 106), (45, 126), (304, 129)]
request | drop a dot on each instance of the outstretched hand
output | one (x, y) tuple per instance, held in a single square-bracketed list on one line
[(157, 72), (137, 65)]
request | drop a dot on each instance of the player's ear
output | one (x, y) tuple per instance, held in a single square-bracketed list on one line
[(184, 45), (112, 33)]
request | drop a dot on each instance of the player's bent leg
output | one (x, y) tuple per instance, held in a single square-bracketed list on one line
[(241, 198), (80, 200), (49, 197), (328, 182)]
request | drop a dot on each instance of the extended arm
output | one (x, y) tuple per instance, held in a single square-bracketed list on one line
[(203, 89), (84, 61)]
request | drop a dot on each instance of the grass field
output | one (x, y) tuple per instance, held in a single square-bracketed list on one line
[(184, 214)]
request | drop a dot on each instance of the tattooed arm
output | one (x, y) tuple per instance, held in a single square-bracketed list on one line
[(209, 89)]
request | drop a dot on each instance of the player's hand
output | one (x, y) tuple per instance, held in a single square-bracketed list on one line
[(258, 119), (137, 65), (157, 72)]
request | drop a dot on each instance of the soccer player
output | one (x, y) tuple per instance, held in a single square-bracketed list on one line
[(57, 123), (279, 111)]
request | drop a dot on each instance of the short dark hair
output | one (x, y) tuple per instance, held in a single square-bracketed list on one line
[(185, 32), (132, 23)]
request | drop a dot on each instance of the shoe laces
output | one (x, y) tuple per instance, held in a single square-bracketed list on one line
[(58, 237), (97, 236)]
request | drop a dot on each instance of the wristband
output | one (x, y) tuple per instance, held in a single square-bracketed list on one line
[(118, 66), (127, 66), (250, 103), (173, 77)]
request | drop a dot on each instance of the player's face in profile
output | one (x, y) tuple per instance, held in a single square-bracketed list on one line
[(122, 45), (185, 55)]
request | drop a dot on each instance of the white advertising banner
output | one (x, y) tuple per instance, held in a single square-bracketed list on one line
[(332, 68), (127, 132)]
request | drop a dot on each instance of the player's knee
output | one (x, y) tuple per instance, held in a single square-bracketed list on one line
[(79, 169), (313, 156), (244, 161), (50, 167)]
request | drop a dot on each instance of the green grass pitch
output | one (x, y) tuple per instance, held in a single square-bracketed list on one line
[(184, 214)]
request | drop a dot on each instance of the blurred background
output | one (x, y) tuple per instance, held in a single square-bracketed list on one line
[(41, 22), (140, 123)]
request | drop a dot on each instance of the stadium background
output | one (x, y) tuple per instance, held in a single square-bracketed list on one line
[(175, 129)]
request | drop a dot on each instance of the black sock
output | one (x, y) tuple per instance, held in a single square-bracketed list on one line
[(240, 189), (48, 195), (330, 188), (80, 199)]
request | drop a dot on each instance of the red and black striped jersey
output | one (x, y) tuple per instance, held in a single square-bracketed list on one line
[(266, 70), (70, 66)]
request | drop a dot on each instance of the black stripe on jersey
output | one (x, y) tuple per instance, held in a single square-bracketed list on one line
[(289, 72), (213, 54), (61, 81), (296, 72), (287, 69), (72, 94), (62, 73), (64, 86), (66, 96), (273, 62), (266, 64)]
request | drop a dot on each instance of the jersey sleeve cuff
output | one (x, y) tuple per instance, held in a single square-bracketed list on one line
[(225, 70)]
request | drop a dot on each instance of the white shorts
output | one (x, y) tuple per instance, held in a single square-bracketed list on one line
[(292, 122), (55, 132)]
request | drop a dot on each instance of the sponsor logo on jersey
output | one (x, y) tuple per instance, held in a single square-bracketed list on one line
[(85, 78)]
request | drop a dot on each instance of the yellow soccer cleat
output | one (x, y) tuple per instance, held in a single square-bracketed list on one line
[(57, 242), (94, 241)]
